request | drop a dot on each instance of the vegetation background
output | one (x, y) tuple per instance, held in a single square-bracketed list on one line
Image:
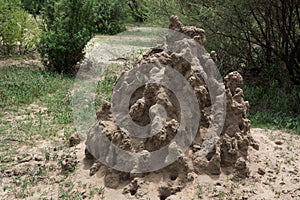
[(260, 39)]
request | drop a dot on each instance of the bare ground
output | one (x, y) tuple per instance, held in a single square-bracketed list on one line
[(274, 174)]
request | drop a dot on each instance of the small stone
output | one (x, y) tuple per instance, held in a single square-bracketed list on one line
[(278, 142), (294, 172), (68, 163), (74, 140), (38, 158), (95, 168), (83, 194), (261, 171), (255, 146), (164, 192), (245, 197), (133, 187), (190, 177), (196, 148), (218, 184), (9, 173), (285, 191)]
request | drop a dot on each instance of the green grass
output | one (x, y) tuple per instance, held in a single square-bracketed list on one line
[(274, 98), (274, 107), (268, 120), (32, 101), (104, 90), (34, 105), (22, 86), (38, 104)]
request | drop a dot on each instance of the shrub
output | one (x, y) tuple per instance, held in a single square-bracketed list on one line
[(19, 32), (139, 10), (68, 25), (274, 106), (33, 6), (110, 16)]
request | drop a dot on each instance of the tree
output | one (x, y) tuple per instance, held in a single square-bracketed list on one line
[(68, 25), (268, 29), (18, 30), (138, 9), (261, 35), (110, 15), (33, 6)]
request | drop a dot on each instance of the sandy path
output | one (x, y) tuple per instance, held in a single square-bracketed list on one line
[(109, 49)]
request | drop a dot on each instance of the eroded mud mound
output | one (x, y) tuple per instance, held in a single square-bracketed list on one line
[(222, 133)]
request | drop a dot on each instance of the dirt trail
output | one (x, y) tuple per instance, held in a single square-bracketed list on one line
[(111, 49)]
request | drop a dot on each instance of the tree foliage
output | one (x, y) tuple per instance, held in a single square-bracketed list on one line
[(18, 30), (139, 10), (33, 6), (110, 15), (254, 36), (68, 25)]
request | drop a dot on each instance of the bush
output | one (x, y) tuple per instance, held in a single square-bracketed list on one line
[(274, 106), (19, 32), (273, 98), (110, 16), (139, 10), (276, 121), (68, 25), (33, 6), (247, 35)]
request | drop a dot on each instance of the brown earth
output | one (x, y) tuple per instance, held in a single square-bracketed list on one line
[(274, 174)]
